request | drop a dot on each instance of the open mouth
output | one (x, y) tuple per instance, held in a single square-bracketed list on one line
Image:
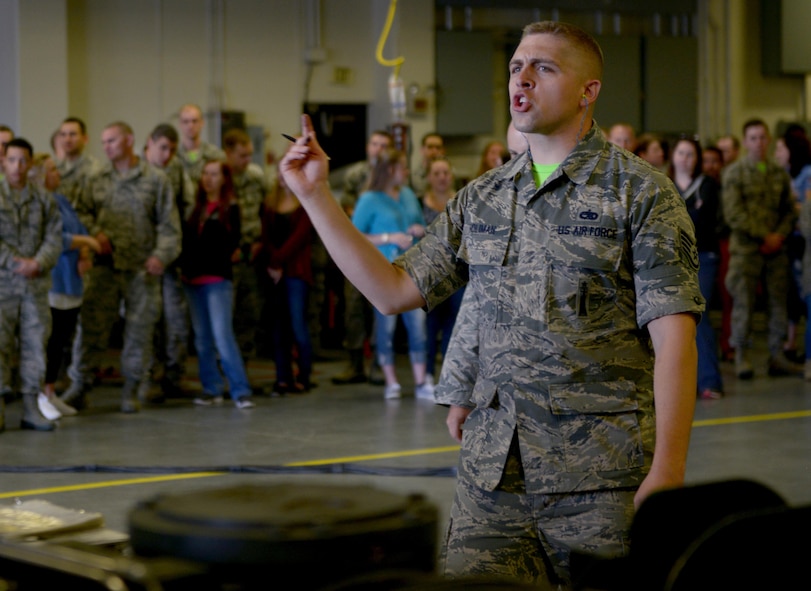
[(520, 103)]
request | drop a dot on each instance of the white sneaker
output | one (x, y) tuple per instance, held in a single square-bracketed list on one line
[(244, 402), (392, 391), (47, 409), (208, 400), (425, 391), (429, 379)]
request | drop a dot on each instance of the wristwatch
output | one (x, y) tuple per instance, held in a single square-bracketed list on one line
[(386, 238)]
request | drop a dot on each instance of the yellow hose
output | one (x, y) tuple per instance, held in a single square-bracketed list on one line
[(397, 62)]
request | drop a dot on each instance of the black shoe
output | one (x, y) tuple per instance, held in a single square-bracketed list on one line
[(282, 388), (779, 366), (349, 377), (170, 389)]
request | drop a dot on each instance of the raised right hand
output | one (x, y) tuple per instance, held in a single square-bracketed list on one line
[(304, 168)]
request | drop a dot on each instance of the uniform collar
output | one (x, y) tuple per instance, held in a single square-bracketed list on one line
[(577, 167)]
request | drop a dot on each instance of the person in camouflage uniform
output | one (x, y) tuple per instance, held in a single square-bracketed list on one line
[(760, 211), (130, 208), (193, 152), (76, 166), (30, 245), (580, 276), (251, 188), (358, 312), (173, 328)]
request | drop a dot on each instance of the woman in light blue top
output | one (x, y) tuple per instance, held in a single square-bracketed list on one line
[(391, 217)]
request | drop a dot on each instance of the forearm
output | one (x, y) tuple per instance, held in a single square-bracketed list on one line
[(674, 384), (387, 287)]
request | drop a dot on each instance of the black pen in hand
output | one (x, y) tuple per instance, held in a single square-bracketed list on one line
[(294, 140)]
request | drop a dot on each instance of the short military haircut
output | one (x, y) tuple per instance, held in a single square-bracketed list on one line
[(756, 122), (194, 106), (431, 134), (164, 130), (19, 142), (6, 128), (121, 126), (382, 133), (574, 35), (736, 143), (234, 138), (77, 121)]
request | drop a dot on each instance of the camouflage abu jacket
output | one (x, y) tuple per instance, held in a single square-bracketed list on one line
[(564, 279), (29, 228)]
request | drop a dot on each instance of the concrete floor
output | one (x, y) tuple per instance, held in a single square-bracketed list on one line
[(104, 461)]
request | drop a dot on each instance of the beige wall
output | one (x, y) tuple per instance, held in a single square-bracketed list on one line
[(138, 60), (734, 89)]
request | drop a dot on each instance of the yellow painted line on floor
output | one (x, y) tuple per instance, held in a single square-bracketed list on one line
[(189, 475), (777, 416), (362, 458), (367, 458), (108, 483)]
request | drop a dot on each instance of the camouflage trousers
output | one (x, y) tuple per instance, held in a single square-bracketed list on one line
[(105, 289), (529, 537), (247, 307), (29, 317), (359, 318), (172, 329), (745, 271)]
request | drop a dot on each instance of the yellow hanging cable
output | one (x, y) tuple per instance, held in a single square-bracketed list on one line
[(397, 62)]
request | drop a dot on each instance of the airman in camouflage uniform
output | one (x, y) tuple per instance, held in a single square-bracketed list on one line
[(578, 280), (30, 245), (250, 186), (129, 206), (358, 312), (562, 372), (760, 210), (192, 151), (173, 327), (77, 167)]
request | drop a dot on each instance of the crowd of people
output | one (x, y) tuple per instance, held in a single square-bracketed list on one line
[(178, 239), (184, 243), (745, 201), (159, 260)]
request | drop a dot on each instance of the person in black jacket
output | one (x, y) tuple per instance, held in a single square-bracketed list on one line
[(210, 240)]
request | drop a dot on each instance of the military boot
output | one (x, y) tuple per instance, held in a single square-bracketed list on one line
[(32, 417), (780, 365), (743, 367), (354, 372), (2, 414), (129, 399)]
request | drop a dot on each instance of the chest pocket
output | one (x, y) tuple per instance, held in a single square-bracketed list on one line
[(490, 276), (582, 287)]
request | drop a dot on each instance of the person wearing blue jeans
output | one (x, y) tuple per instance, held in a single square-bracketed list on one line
[(701, 195), (391, 218), (288, 300), (415, 325), (211, 307), (210, 241), (709, 372), (286, 257)]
